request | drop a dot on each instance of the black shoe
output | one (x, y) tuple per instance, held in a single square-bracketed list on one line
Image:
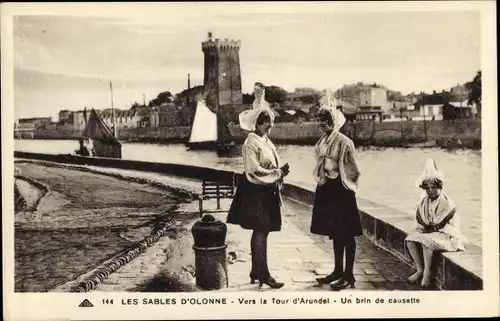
[(253, 278), (334, 276), (271, 282), (343, 283)]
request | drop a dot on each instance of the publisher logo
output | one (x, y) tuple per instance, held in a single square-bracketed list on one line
[(86, 304)]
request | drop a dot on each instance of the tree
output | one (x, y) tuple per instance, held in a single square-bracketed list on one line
[(275, 94), (163, 97), (395, 96), (135, 105), (191, 95), (475, 91)]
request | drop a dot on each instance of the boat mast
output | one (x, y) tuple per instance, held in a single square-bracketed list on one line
[(112, 109), (425, 123), (187, 98)]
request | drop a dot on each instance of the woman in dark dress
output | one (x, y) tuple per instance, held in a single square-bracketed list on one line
[(335, 212), (257, 202)]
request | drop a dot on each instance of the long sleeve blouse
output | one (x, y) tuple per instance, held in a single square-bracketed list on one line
[(261, 161), (335, 155)]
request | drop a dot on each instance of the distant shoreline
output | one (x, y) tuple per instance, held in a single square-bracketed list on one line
[(457, 134), (440, 143)]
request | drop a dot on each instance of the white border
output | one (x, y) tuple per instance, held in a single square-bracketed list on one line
[(21, 306)]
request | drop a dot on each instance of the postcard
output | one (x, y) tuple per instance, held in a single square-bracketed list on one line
[(249, 160)]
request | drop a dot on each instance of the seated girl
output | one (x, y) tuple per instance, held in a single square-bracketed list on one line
[(438, 226)]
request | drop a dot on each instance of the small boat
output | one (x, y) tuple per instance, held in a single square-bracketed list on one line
[(426, 144), (209, 131), (97, 138), (104, 142)]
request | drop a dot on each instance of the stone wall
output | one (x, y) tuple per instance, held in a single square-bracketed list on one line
[(385, 226), (57, 133), (454, 133), (155, 134), (465, 133)]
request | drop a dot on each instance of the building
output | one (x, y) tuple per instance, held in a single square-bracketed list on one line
[(459, 90), (187, 101), (128, 118), (152, 119), (373, 103), (72, 120), (302, 99), (373, 97), (222, 75), (459, 110), (169, 115), (65, 117), (305, 91), (78, 120), (25, 125), (432, 112), (349, 93), (35, 122), (412, 98), (288, 115), (348, 109)]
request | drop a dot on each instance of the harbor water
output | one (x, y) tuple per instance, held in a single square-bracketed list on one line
[(388, 174)]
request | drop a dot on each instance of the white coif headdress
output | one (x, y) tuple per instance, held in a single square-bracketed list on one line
[(248, 118), (430, 173), (329, 103)]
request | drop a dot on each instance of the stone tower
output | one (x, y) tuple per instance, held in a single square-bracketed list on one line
[(222, 78)]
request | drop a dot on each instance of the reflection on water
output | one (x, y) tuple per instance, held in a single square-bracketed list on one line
[(388, 175)]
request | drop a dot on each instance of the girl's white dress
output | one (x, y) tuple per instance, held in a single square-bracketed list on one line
[(438, 225)]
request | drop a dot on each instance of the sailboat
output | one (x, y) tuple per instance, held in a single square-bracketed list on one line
[(98, 137), (102, 139), (209, 132)]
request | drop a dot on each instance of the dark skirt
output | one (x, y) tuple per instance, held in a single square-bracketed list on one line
[(255, 207), (335, 212)]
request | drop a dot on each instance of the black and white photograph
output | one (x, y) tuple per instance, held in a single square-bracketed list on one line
[(214, 149)]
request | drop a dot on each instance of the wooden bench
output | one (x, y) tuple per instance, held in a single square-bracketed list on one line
[(217, 189)]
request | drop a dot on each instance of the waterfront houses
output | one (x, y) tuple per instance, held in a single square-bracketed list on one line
[(123, 118), (77, 120), (74, 120), (34, 122), (358, 101)]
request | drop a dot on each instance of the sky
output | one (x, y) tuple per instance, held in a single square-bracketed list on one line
[(67, 61)]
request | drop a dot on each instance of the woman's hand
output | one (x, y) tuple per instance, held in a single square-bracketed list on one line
[(285, 169)]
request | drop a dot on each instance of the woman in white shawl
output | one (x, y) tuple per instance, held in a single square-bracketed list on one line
[(438, 225), (335, 211), (257, 201)]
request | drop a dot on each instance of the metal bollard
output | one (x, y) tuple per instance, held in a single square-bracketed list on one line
[(210, 253)]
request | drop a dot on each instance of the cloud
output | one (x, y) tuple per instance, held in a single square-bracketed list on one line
[(63, 57)]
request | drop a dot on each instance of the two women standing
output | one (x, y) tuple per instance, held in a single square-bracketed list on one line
[(257, 203)]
